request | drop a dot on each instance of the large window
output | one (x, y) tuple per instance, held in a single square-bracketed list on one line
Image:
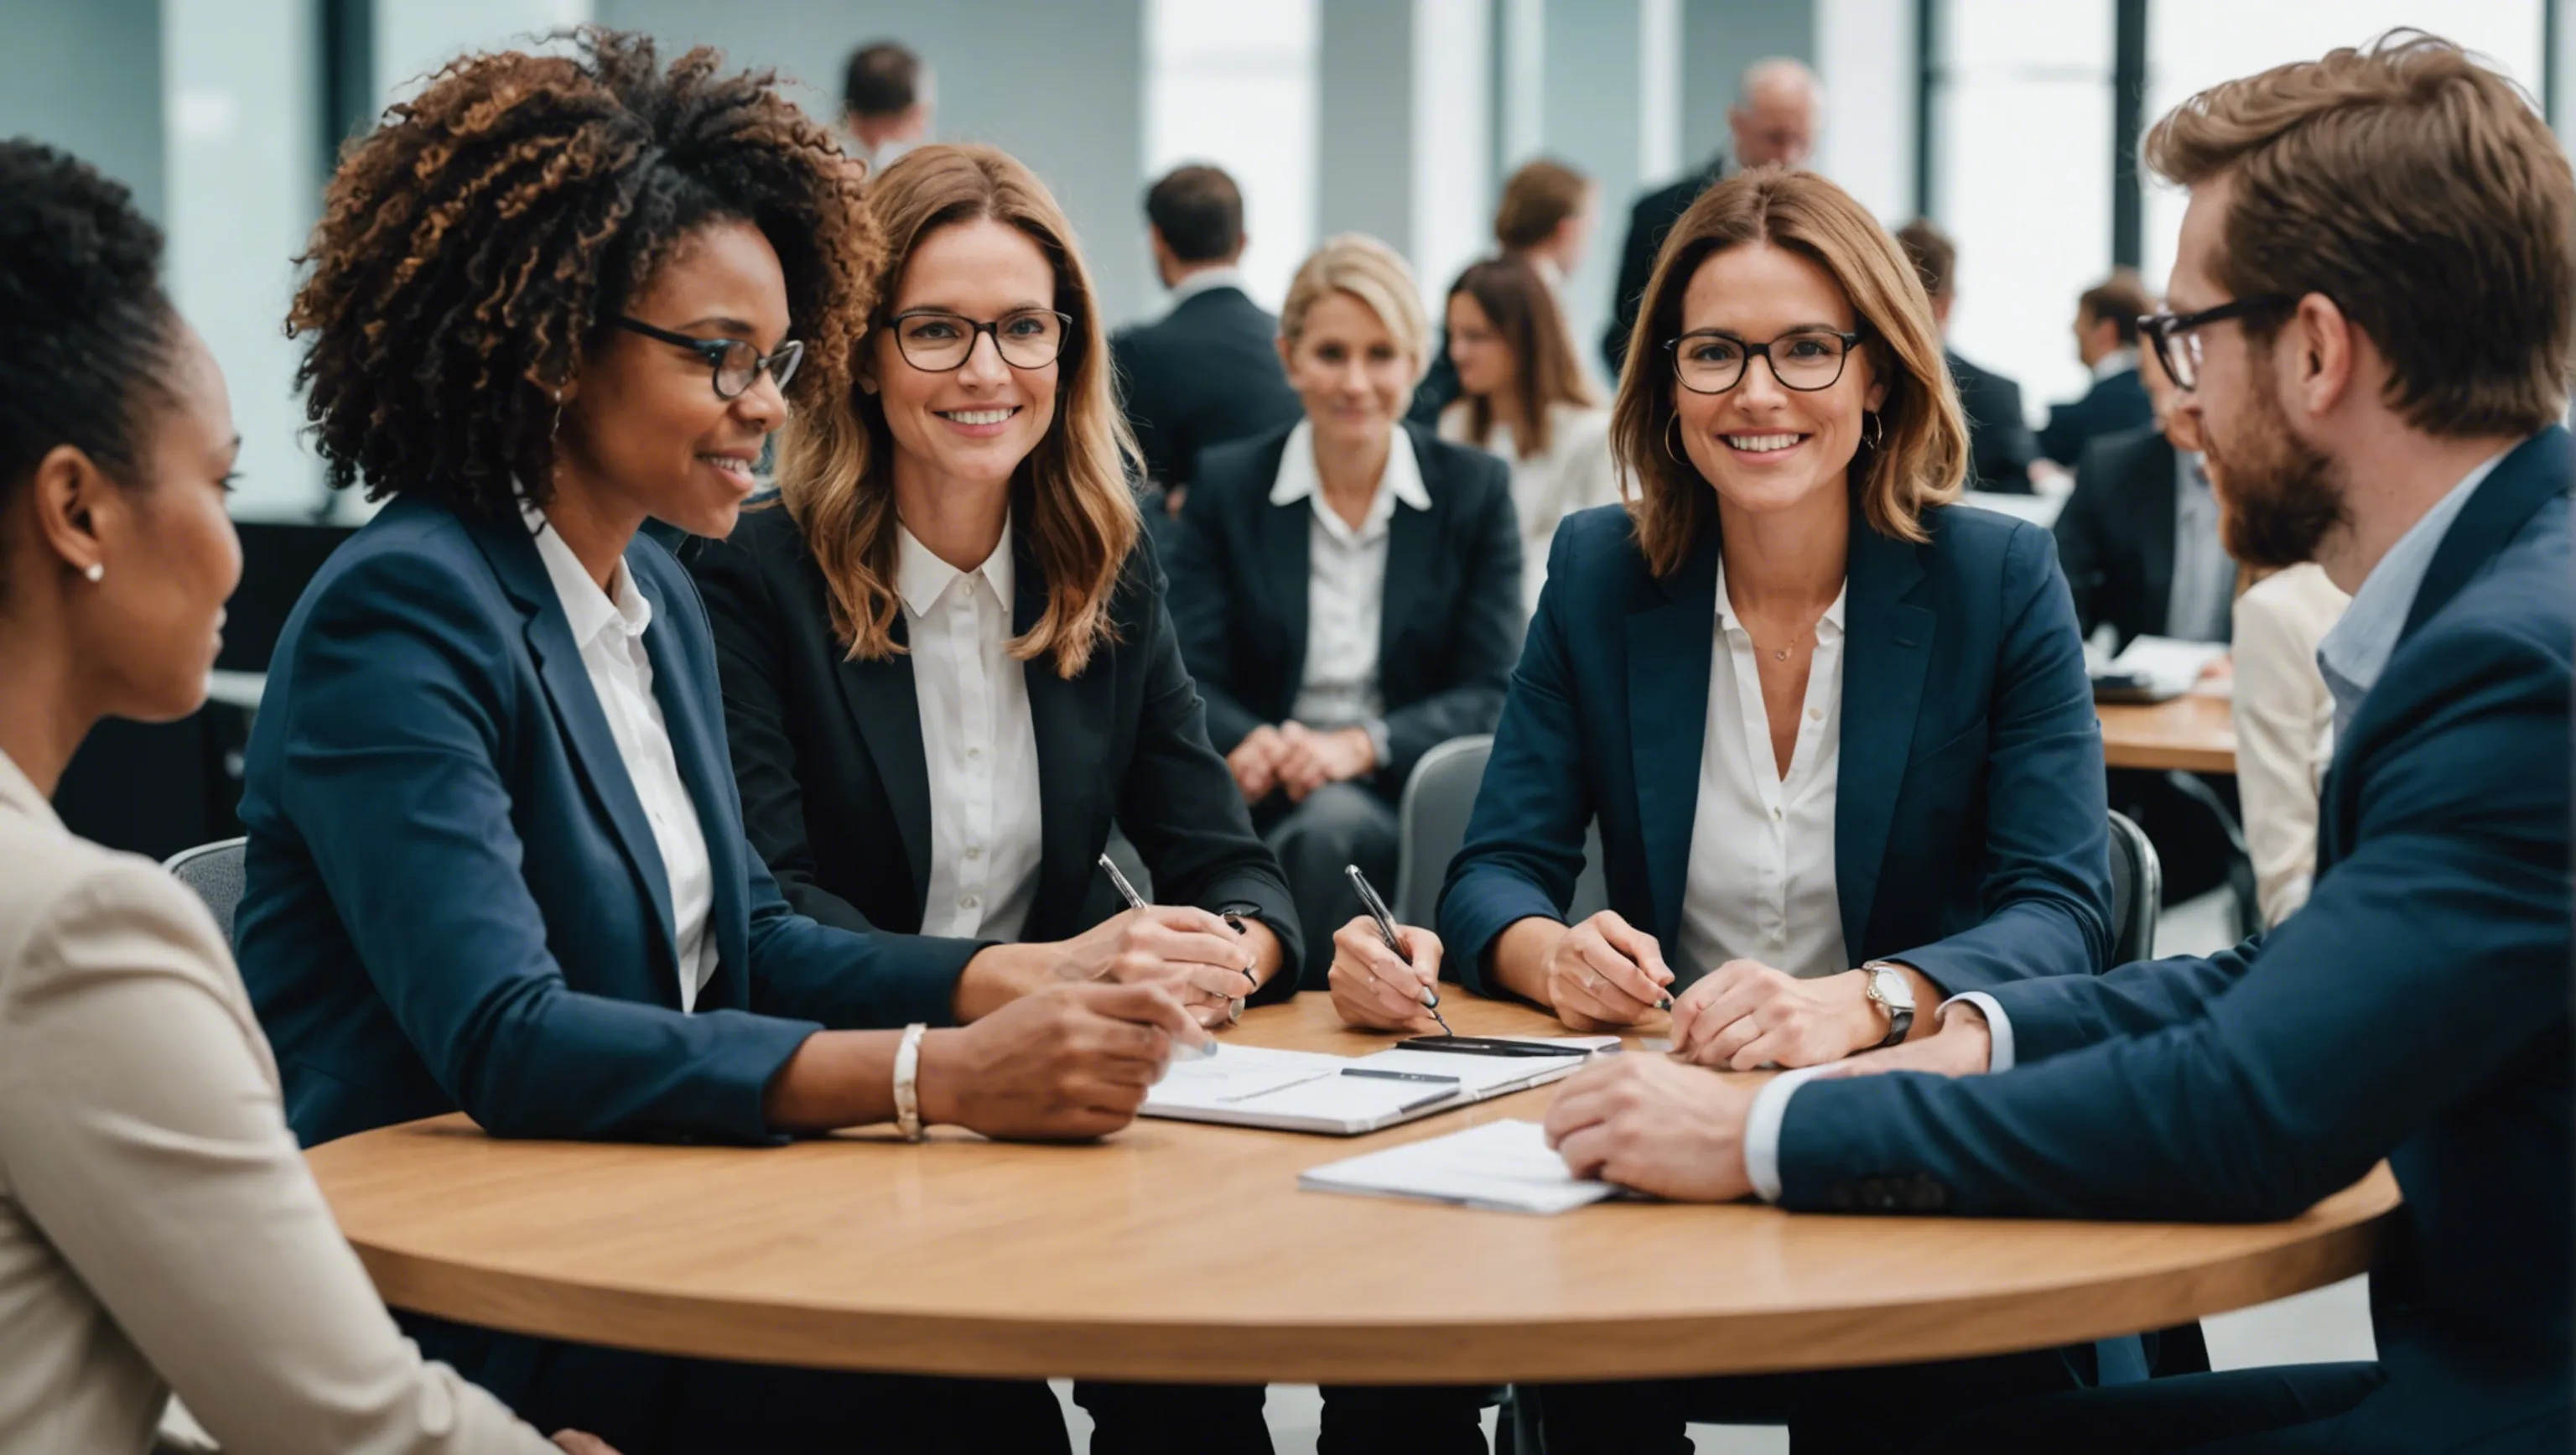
[(2022, 179), (1232, 82), (2193, 44)]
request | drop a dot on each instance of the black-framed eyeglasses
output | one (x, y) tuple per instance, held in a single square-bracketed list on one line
[(2176, 336), (938, 342), (1708, 361), (733, 363)]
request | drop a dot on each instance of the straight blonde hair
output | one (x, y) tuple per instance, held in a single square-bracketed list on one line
[(1070, 497), (1917, 458), (1373, 273)]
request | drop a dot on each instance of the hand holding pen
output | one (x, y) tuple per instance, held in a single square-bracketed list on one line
[(1385, 976), (1202, 956)]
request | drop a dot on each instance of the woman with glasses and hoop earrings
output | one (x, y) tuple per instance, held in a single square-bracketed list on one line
[(1836, 733), (497, 862), (948, 669)]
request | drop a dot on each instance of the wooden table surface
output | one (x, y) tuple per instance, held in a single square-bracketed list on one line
[(1175, 1251), (2194, 732)]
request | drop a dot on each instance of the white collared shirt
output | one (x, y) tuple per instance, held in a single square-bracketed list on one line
[(977, 740), (1761, 883), (1207, 280), (2115, 363), (1345, 581), (609, 629)]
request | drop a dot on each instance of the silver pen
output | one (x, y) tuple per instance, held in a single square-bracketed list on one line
[(1127, 891), (1386, 931)]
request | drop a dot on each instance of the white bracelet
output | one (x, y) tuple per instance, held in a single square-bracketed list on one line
[(907, 1089)]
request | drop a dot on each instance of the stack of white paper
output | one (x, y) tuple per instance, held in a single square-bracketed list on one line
[(1309, 1091), (1502, 1166)]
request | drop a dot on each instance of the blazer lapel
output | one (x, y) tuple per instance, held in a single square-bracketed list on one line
[(1076, 785), (1412, 555), (513, 554), (706, 770), (1887, 649), (1287, 556), (882, 701), (1670, 636), (2531, 476)]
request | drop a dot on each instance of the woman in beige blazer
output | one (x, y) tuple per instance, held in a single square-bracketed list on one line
[(158, 1229)]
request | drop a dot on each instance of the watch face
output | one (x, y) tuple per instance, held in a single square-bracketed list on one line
[(1892, 988)]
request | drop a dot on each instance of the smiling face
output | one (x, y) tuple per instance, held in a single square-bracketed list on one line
[(1762, 446), (644, 425), (1348, 368), (1482, 355), (970, 426)]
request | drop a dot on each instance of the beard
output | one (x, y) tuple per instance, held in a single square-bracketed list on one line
[(2278, 496)]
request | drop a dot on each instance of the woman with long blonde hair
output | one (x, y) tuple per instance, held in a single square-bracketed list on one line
[(948, 670)]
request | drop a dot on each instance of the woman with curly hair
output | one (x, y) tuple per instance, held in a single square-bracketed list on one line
[(140, 1125), (496, 858)]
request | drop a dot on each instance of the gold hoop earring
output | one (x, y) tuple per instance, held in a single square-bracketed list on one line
[(1877, 433), (1672, 428)]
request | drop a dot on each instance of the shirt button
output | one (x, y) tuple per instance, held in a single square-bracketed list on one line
[(966, 902), (1815, 714), (974, 753), (974, 851), (1775, 815)]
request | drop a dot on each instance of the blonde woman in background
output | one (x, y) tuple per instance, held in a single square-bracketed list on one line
[(1523, 397), (2284, 727)]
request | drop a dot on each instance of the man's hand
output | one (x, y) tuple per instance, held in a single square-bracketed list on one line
[(1655, 1125), (1309, 759), (1255, 763), (1964, 1046)]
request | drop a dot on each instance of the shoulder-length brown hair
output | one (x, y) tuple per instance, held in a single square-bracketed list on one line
[(1522, 308), (1920, 456), (1070, 501)]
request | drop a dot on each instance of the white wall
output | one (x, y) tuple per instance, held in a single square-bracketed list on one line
[(1865, 53)]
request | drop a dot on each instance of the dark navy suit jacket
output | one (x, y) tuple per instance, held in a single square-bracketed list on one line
[(2415, 1010), (2109, 406), (454, 900), (1970, 833)]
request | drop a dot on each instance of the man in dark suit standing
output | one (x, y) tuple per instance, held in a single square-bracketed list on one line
[(2000, 448), (1207, 371), (2106, 339), (1779, 107), (2375, 280)]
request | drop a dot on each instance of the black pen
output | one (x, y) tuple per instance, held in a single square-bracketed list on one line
[(1386, 931), (1127, 891)]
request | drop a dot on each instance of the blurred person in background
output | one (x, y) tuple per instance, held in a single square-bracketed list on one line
[(2000, 447), (2106, 340), (1778, 113), (1523, 397), (888, 95), (1545, 219)]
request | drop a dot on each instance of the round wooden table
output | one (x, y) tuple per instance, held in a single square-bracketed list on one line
[(2194, 732), (1175, 1251)]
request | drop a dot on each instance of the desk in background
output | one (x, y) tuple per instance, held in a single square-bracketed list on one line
[(2194, 732), (1176, 1251)]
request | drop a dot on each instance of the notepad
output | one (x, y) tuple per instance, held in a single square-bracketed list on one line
[(1307, 1091), (1501, 1166)]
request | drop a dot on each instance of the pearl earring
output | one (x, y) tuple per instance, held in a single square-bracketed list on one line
[(95, 571)]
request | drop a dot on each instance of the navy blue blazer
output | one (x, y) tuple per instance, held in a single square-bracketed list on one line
[(1971, 839), (453, 899), (2415, 1010), (2108, 407)]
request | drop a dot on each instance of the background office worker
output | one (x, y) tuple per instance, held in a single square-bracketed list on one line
[(158, 1228), (1545, 219), (2000, 447), (2106, 341), (1778, 111), (496, 860), (2375, 278), (947, 666), (1207, 371), (1523, 397), (1347, 591)]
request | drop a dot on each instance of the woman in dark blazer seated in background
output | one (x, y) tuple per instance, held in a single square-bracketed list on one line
[(918, 751), (947, 666), (1348, 592), (496, 859), (1824, 719)]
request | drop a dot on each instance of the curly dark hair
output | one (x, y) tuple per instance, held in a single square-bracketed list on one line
[(85, 329), (472, 243)]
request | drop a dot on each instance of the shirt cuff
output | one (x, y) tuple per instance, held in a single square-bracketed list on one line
[(1762, 1130), (1998, 1025), (1375, 727)]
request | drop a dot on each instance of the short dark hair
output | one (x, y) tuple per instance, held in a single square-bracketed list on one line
[(883, 78), (1933, 255), (2423, 193), (2120, 298), (85, 329), (473, 245), (1199, 212)]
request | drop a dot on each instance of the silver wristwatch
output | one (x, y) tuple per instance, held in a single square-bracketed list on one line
[(1889, 990), (907, 1084)]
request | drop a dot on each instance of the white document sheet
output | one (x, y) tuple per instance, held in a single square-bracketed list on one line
[(1308, 1091), (1500, 1166)]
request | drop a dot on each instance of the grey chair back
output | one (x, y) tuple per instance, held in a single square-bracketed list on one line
[(1438, 800), (215, 872), (2137, 892)]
